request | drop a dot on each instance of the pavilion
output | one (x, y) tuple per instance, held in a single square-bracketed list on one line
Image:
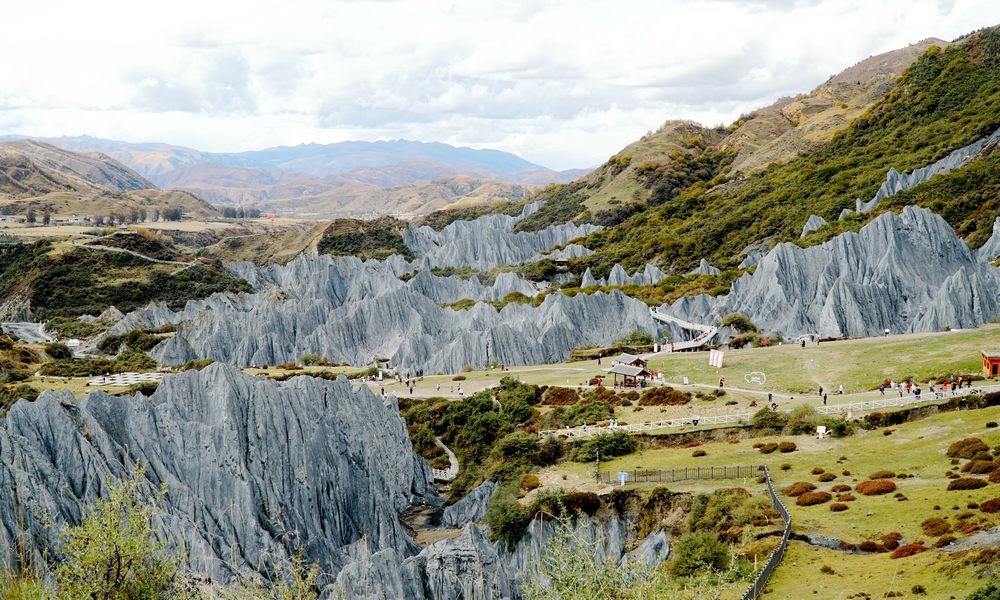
[(631, 375), (630, 360)]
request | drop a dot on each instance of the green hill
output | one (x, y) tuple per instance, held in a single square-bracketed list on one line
[(688, 202)]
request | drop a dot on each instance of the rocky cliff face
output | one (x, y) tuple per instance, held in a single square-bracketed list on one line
[(254, 469), (351, 311), (905, 273), (489, 241)]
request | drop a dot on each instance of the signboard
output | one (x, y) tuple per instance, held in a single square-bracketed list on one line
[(622, 477)]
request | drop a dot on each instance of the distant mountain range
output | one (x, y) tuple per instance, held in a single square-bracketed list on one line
[(46, 179), (327, 180)]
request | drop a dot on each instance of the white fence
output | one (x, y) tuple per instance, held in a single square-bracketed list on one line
[(743, 418)]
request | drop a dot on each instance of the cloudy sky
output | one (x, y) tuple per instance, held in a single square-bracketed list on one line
[(561, 83)]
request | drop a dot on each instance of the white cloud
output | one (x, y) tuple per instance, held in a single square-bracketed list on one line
[(563, 83)]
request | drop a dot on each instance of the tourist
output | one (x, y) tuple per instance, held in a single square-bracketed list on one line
[(881, 389), (722, 382), (770, 398), (824, 399), (774, 406), (841, 390), (820, 390), (437, 388)]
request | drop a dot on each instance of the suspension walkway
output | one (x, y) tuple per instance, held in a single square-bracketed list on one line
[(449, 474), (706, 332)]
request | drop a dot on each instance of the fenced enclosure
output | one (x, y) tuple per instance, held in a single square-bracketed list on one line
[(717, 473)]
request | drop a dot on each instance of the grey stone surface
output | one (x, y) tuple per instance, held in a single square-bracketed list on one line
[(813, 223), (991, 249), (650, 275), (464, 568), (253, 468), (348, 311), (469, 509), (489, 241), (907, 273), (570, 251), (704, 268)]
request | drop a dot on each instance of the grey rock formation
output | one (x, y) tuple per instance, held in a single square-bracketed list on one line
[(570, 251), (469, 509), (705, 268), (896, 182), (349, 311), (991, 249), (650, 275), (464, 568), (906, 273), (812, 224), (844, 212), (488, 241), (254, 469)]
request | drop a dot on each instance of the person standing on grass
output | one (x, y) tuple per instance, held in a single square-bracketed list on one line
[(820, 390), (841, 390)]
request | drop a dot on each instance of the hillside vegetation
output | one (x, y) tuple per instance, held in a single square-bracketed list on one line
[(945, 100), (79, 281)]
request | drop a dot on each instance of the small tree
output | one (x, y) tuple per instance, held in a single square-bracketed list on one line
[(739, 322), (699, 551), (113, 553)]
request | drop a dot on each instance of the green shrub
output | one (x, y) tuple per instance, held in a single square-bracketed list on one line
[(560, 396), (695, 552), (113, 552), (935, 527), (58, 351), (507, 519), (803, 419), (766, 418), (635, 338), (618, 443), (990, 591), (740, 322)]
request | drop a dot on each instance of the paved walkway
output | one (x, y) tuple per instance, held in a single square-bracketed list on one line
[(848, 409), (451, 472), (32, 333)]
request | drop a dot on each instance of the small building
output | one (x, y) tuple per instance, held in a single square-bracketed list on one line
[(630, 360), (631, 376), (991, 362)]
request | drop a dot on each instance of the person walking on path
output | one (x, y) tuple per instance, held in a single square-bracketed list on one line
[(824, 399), (881, 389), (770, 398), (820, 390), (841, 390)]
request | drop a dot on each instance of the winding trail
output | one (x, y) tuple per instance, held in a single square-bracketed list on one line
[(449, 474)]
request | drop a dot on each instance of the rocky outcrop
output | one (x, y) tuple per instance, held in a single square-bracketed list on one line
[(905, 273), (489, 241), (650, 275), (349, 311), (469, 509), (896, 182), (991, 249), (253, 469), (569, 252), (813, 223), (704, 268), (464, 568)]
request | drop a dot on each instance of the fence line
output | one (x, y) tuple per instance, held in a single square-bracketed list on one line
[(757, 587), (681, 474), (744, 418)]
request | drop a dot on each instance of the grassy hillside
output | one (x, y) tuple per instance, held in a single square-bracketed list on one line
[(945, 100), (377, 239), (61, 281)]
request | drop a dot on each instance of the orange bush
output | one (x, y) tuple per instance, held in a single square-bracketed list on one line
[(935, 527), (530, 482), (817, 470), (875, 488), (838, 507), (797, 489), (882, 475), (966, 483), (560, 396), (908, 550), (827, 477), (979, 467), (768, 448), (990, 506), (846, 498), (840, 488), (994, 476), (891, 540), (787, 447), (813, 498), (967, 448)]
